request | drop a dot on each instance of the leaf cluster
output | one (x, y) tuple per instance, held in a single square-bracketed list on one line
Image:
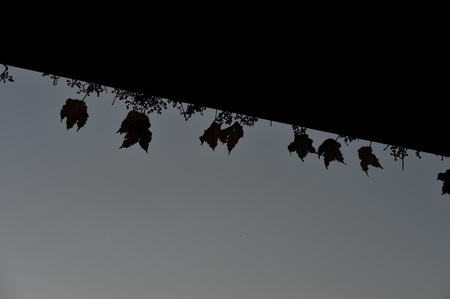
[(330, 150), (190, 109), (140, 102), (86, 88), (229, 136), (136, 127), (226, 117)]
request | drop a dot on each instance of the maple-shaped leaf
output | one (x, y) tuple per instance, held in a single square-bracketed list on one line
[(136, 129), (330, 149), (211, 135), (445, 177), (231, 135), (368, 158), (302, 145), (75, 112)]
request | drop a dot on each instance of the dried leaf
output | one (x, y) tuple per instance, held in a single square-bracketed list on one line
[(302, 145), (75, 112), (445, 177), (231, 135), (330, 149), (211, 135), (136, 129), (368, 158)]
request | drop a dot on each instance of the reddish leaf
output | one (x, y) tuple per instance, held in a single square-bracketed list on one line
[(136, 129), (75, 112), (445, 177), (367, 158), (330, 149), (231, 135), (211, 135), (302, 145)]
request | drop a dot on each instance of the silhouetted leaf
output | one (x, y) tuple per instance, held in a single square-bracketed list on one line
[(330, 149), (144, 139), (136, 129), (211, 135), (367, 158), (445, 177), (75, 112), (231, 135), (302, 145)]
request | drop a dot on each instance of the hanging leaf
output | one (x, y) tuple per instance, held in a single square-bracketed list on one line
[(368, 158), (302, 145), (211, 135), (445, 177), (136, 129), (330, 149), (75, 112), (231, 135)]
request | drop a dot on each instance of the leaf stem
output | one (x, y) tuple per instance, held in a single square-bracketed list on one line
[(6, 68), (183, 112)]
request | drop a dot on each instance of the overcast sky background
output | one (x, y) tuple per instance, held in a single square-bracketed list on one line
[(81, 218)]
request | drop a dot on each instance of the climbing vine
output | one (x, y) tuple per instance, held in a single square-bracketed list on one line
[(136, 126)]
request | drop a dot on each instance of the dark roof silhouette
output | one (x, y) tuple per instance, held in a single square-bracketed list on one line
[(386, 99)]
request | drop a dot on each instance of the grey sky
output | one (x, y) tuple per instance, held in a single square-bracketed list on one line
[(81, 218)]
